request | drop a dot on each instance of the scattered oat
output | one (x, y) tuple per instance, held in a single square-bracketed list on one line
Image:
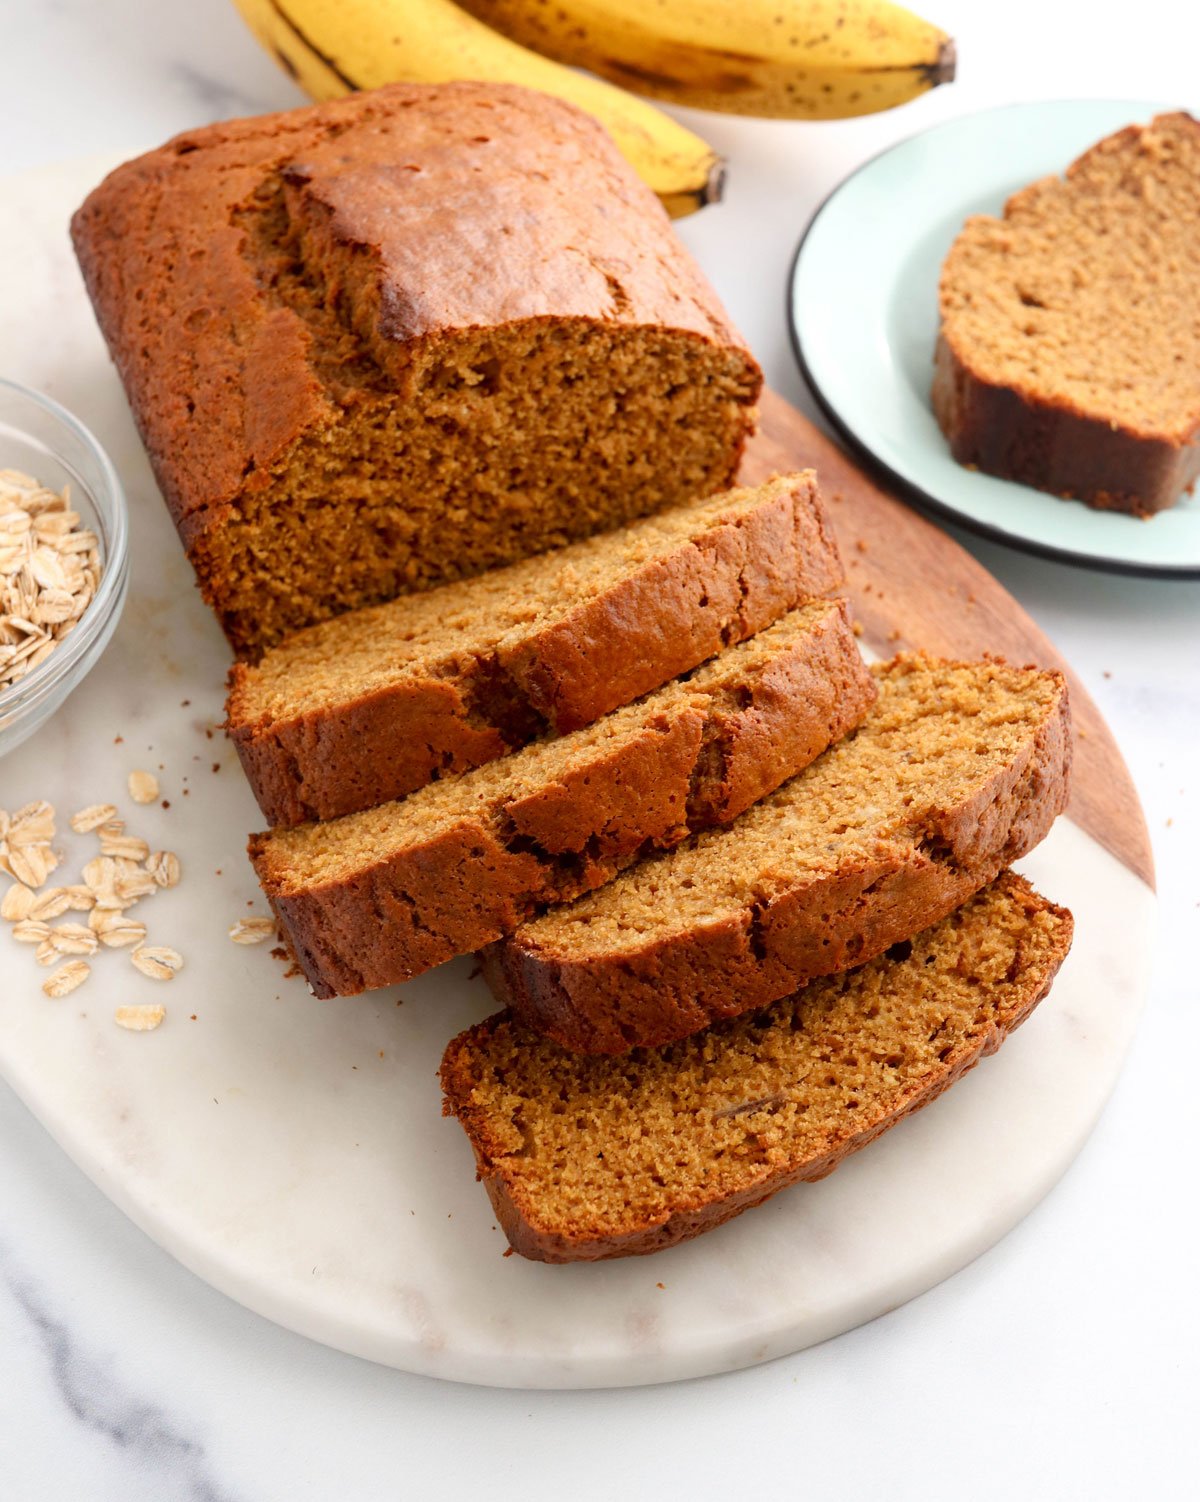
[(50, 903), (128, 886), (100, 872), (31, 863), (92, 817), (140, 1019), (252, 930), (127, 846), (73, 938), (124, 872), (17, 902), (32, 822), (115, 930), (158, 961), (30, 931), (163, 865), (143, 787), (59, 982)]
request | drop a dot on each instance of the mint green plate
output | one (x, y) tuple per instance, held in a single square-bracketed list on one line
[(863, 307)]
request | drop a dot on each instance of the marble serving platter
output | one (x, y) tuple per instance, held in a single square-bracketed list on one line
[(292, 1152)]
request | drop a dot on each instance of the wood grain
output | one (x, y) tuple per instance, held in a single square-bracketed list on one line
[(913, 587)]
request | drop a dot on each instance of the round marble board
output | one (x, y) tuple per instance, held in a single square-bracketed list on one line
[(292, 1152)]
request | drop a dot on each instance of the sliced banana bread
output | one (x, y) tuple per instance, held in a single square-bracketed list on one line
[(585, 1158), (1069, 356), (402, 337), (957, 770), (376, 703), (382, 895)]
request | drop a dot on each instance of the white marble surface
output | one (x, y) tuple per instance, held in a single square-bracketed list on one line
[(1063, 1363)]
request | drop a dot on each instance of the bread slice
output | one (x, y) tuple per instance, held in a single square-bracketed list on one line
[(382, 895), (374, 704), (394, 339), (586, 1158), (1069, 356), (958, 770)]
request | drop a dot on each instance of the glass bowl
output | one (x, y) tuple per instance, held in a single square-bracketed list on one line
[(44, 440)]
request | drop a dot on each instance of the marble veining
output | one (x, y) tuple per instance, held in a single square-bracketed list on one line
[(96, 1400)]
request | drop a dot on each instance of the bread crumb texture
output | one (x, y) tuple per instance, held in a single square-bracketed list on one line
[(957, 770), (1081, 307), (934, 735), (402, 337), (380, 895), (376, 703), (597, 1157)]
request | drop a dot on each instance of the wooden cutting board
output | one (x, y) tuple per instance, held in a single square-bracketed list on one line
[(915, 588)]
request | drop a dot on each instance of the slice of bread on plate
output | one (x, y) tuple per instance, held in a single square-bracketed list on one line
[(1069, 349)]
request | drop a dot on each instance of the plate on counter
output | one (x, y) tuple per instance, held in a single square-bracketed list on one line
[(291, 1151), (862, 303)]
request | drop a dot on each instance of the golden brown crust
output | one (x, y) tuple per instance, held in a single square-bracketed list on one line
[(735, 575), (1067, 349), (1054, 448), (669, 987), (523, 1219), (225, 379), (698, 765)]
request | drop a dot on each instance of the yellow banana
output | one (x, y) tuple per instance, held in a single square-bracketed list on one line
[(794, 59), (332, 47)]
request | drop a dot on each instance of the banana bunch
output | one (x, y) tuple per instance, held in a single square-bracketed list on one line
[(806, 59), (333, 47), (784, 59)]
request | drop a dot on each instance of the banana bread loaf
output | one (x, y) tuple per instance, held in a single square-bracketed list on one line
[(585, 1158), (402, 337), (958, 770), (1069, 355), (376, 703), (382, 895)]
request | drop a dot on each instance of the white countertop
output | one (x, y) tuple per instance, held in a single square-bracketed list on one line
[(1064, 1363)]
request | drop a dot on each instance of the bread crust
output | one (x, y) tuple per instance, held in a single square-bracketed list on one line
[(808, 927), (466, 885), (1054, 444), (518, 1218), (402, 196), (1057, 448), (727, 582)]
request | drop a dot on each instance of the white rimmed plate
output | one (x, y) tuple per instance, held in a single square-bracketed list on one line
[(863, 307)]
